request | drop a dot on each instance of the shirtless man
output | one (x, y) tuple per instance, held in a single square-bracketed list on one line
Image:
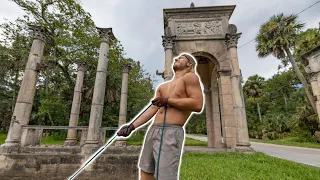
[(181, 96)]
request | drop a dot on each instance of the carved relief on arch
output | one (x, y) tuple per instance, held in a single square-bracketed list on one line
[(198, 27)]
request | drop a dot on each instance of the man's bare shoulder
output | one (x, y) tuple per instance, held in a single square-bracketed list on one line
[(191, 78), (161, 86)]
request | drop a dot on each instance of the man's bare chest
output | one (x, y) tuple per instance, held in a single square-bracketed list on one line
[(174, 89)]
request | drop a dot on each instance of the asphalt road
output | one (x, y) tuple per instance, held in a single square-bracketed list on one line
[(309, 156)]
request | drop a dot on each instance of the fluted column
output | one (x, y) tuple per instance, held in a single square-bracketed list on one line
[(106, 36), (209, 120), (75, 109), (123, 101), (238, 100), (217, 139), (229, 129), (167, 43), (315, 85), (23, 107)]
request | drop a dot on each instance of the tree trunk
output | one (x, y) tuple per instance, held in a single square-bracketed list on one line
[(302, 79), (285, 100), (258, 106)]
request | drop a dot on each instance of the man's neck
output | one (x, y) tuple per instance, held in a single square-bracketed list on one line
[(179, 74)]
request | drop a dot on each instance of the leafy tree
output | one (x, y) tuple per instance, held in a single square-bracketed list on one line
[(72, 37), (253, 89), (278, 37)]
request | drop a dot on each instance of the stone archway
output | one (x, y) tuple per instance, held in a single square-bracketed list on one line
[(206, 33)]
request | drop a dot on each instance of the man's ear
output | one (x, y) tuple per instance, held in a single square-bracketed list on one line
[(189, 64)]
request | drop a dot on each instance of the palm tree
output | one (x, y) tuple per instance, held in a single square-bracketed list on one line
[(253, 88), (277, 37)]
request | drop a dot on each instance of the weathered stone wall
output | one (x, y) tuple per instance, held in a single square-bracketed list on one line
[(114, 165), (52, 167)]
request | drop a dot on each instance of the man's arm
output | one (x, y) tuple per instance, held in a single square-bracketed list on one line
[(148, 114), (194, 100)]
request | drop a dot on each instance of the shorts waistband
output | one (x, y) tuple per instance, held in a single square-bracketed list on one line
[(166, 125)]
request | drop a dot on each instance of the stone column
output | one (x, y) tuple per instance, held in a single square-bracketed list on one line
[(123, 101), (27, 90), (217, 141), (168, 42), (96, 113), (227, 112), (315, 85), (209, 117), (238, 100), (75, 109)]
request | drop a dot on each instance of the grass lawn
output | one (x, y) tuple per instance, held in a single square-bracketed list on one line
[(2, 138), (135, 139), (290, 141), (229, 166)]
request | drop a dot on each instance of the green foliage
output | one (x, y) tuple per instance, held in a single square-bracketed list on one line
[(284, 108), (72, 37), (307, 40), (280, 32), (197, 124)]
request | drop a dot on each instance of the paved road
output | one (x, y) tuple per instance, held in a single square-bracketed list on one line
[(308, 156)]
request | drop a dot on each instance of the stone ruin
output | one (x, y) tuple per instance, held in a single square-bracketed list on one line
[(204, 32)]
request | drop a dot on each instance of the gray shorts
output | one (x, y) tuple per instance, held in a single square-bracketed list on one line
[(170, 157)]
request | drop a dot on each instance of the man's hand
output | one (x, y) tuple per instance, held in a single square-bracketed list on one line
[(160, 101), (126, 130)]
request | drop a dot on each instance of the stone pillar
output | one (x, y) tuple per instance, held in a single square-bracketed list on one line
[(217, 139), (75, 109), (168, 42), (238, 100), (96, 113), (209, 117), (227, 112), (27, 90), (123, 101), (315, 84)]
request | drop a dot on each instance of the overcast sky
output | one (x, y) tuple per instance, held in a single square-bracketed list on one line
[(138, 24)]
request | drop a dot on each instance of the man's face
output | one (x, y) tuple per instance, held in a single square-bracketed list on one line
[(181, 63)]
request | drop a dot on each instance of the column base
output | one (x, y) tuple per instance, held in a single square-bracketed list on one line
[(244, 147), (70, 142), (90, 147), (9, 147), (121, 143)]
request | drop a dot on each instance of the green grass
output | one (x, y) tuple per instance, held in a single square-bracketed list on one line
[(229, 166), (289, 141), (51, 141), (2, 138), (193, 142), (135, 140)]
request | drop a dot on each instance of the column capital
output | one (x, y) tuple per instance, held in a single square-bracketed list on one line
[(126, 67), (82, 65), (168, 41), (106, 34), (224, 72), (231, 39), (39, 32)]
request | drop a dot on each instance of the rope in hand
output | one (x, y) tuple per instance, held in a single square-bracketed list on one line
[(162, 131)]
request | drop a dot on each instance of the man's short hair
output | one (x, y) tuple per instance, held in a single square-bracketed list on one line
[(190, 59)]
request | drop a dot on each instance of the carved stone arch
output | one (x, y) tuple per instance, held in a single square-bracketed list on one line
[(208, 56)]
